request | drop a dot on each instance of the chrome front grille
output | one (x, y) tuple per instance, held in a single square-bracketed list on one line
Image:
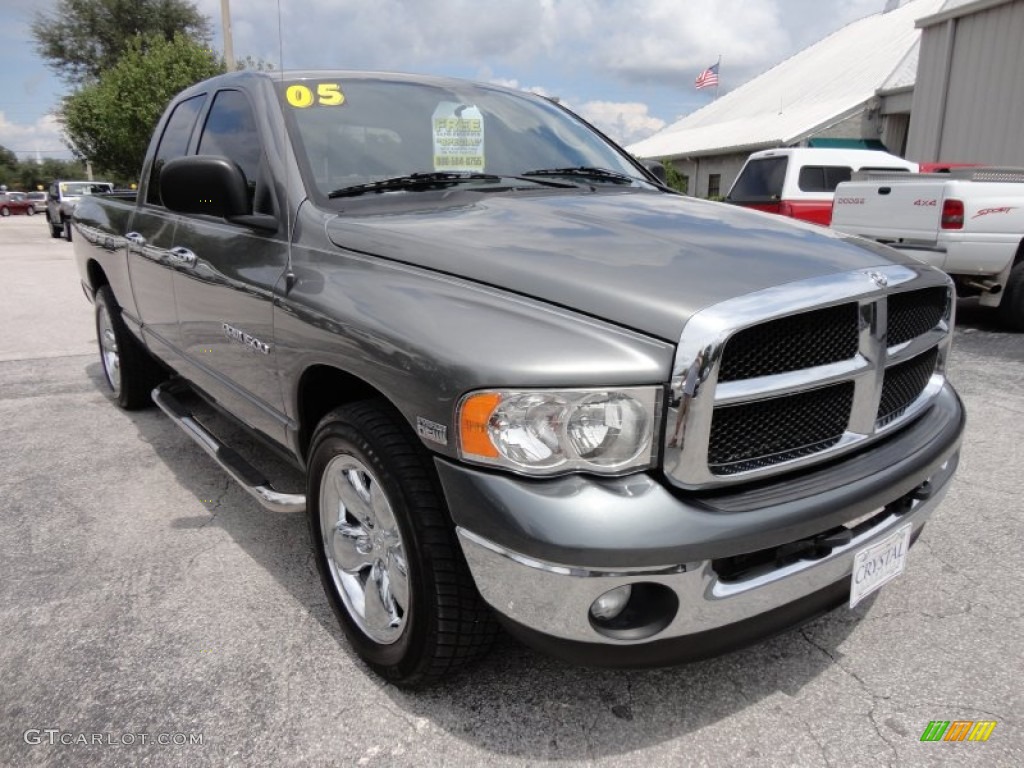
[(791, 343), (903, 384), (800, 373), (915, 312)]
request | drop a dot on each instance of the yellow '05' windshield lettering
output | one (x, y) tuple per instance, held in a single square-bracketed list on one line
[(326, 95)]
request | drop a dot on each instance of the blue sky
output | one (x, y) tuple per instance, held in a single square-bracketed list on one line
[(627, 65)]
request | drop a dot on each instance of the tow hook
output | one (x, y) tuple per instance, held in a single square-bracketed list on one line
[(814, 548), (904, 504)]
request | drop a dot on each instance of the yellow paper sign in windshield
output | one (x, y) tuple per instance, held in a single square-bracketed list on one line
[(458, 138)]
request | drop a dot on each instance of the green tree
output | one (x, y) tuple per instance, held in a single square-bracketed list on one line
[(110, 121), (675, 179), (32, 175), (79, 39)]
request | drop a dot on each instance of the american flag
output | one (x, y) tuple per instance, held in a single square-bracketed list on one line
[(707, 78)]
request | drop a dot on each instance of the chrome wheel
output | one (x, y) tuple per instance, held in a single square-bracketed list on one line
[(108, 348), (364, 549)]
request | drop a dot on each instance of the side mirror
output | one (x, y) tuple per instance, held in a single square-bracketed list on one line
[(212, 185), (207, 184), (656, 169)]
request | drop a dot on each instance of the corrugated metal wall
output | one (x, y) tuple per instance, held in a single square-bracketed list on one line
[(969, 99)]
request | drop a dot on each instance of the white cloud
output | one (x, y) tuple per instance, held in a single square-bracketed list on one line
[(654, 42), (43, 135), (626, 122)]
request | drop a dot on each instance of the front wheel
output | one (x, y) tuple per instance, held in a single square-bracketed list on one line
[(5, 211), (30, 211), (386, 549)]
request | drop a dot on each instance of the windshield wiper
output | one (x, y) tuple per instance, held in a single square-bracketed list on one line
[(413, 181), (585, 172)]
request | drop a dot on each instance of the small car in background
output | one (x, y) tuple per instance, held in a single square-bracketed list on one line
[(38, 200), (800, 182), (15, 202)]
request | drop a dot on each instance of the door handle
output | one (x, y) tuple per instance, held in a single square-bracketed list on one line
[(135, 238), (183, 256)]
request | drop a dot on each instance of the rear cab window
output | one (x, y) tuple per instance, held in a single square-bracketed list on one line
[(760, 180), (823, 178)]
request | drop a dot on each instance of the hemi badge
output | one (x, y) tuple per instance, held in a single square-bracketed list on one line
[(431, 430)]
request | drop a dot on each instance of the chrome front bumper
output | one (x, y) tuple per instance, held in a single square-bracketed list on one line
[(554, 600)]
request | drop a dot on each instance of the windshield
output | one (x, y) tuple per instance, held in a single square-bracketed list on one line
[(79, 188), (353, 132)]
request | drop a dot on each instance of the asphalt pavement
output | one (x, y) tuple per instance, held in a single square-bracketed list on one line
[(153, 614)]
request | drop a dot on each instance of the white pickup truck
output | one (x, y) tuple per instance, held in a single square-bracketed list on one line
[(969, 223)]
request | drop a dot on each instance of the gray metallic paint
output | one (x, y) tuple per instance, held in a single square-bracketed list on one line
[(638, 522), (423, 339), (643, 259)]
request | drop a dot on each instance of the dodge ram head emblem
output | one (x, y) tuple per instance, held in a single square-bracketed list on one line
[(880, 280)]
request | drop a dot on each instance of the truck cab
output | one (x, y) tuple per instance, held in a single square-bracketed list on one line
[(800, 182)]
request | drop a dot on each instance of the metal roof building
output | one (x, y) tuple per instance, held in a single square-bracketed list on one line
[(853, 85), (968, 104)]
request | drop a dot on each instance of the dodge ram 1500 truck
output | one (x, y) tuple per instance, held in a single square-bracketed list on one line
[(525, 382), (969, 223)]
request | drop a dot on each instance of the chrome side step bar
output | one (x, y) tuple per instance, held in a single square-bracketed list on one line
[(251, 480)]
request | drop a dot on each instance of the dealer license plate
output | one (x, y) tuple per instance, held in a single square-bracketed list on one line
[(877, 565)]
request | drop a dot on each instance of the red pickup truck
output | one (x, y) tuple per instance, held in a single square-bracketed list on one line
[(800, 182)]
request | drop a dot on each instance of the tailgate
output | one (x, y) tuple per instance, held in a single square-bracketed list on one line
[(905, 208)]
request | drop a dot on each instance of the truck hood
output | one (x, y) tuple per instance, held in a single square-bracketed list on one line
[(643, 260)]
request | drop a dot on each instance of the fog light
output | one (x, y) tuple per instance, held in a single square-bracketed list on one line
[(611, 603)]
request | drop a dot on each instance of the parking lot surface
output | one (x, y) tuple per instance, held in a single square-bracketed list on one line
[(152, 613)]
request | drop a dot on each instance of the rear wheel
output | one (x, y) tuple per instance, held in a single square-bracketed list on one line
[(386, 549), (1011, 307), (5, 211), (129, 370), (30, 211)]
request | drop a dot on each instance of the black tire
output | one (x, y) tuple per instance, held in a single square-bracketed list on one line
[(1011, 306), (137, 373), (30, 211), (445, 623), (67, 230), (5, 211), (55, 230)]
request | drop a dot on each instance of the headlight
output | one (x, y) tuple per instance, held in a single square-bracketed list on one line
[(546, 432)]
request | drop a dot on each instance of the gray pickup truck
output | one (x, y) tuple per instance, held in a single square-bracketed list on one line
[(526, 383)]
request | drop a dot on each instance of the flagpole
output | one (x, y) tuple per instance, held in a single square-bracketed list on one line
[(719, 70)]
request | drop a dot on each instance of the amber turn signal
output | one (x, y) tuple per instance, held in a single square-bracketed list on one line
[(473, 434)]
